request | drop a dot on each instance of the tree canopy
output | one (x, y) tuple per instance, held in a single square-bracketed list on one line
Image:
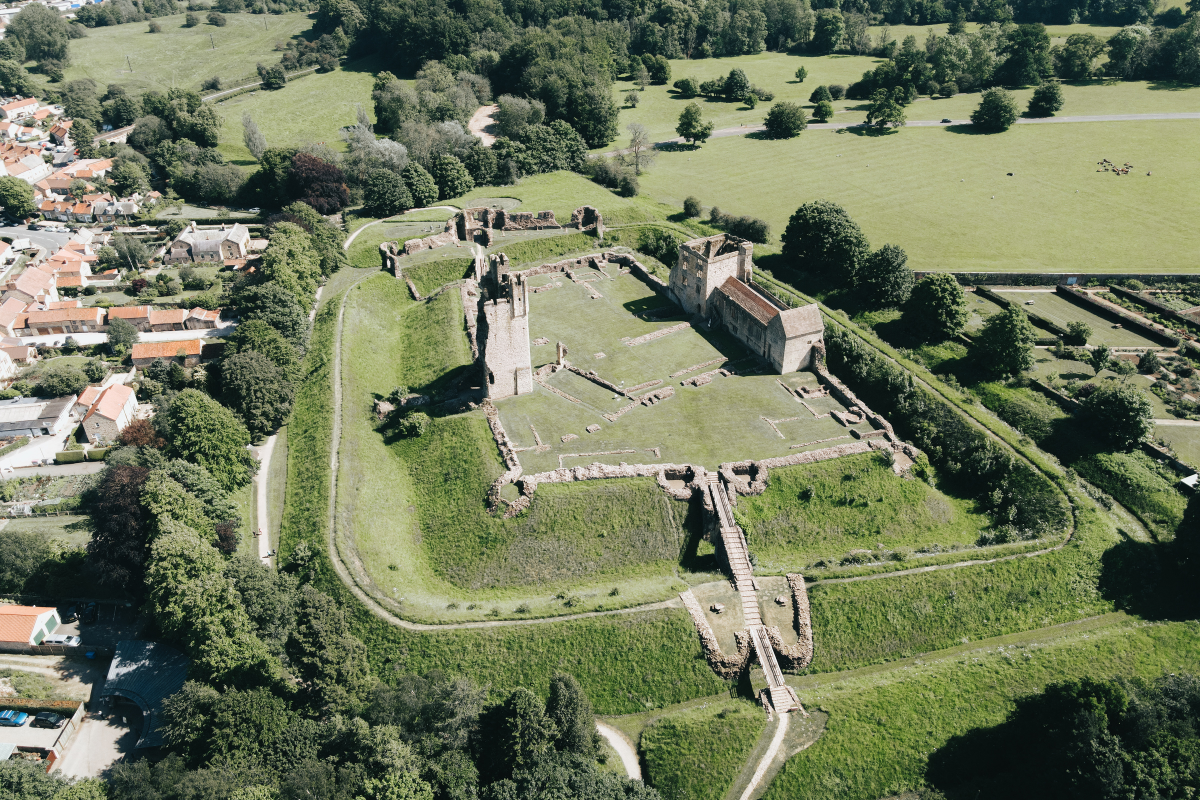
[(198, 428), (937, 307), (821, 239), (1120, 413), (1006, 342)]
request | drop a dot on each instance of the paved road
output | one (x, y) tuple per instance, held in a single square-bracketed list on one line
[(1180, 422), (98, 744), (164, 336), (48, 239)]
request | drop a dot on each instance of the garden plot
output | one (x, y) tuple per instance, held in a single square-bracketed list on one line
[(1059, 309), (979, 308), (745, 415)]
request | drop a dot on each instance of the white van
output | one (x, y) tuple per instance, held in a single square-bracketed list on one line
[(61, 640)]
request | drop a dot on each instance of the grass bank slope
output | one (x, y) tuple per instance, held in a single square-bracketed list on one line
[(698, 754)]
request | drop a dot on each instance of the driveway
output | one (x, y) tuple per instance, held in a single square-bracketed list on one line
[(39, 449), (101, 741)]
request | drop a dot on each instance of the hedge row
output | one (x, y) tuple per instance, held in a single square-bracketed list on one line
[(977, 465)]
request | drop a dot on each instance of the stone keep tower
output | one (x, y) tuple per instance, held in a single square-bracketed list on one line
[(704, 265), (508, 370)]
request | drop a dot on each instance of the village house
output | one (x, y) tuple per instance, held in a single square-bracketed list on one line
[(138, 316), (12, 315), (168, 319), (8, 254), (19, 109), (64, 320), (32, 286), (35, 416), (115, 408), (22, 627), (185, 352), (202, 319), (8, 368), (208, 245), (60, 134), (19, 353)]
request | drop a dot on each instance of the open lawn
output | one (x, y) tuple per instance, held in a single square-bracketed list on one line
[(562, 193), (725, 420), (659, 106), (312, 108), (826, 510), (944, 195), (413, 510), (1059, 309), (180, 56), (72, 531), (696, 754), (1184, 440)]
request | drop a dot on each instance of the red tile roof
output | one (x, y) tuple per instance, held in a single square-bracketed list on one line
[(748, 300), (167, 316), (190, 347), (129, 312), (16, 622), (111, 402), (39, 318)]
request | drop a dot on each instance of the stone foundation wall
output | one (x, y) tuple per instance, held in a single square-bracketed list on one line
[(799, 655), (727, 666), (448, 236), (525, 221)]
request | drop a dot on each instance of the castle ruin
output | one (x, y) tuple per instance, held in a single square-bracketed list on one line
[(504, 329), (713, 279)]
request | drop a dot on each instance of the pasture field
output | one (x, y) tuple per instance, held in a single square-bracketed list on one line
[(180, 56), (944, 195), (825, 510), (312, 108), (886, 724), (1184, 440), (1059, 309), (659, 106)]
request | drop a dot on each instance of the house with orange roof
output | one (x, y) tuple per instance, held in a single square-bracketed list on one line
[(61, 132), (12, 312), (19, 109), (109, 414), (87, 398), (33, 286), (22, 627), (138, 316), (168, 319), (186, 352), (64, 304), (202, 318), (64, 320), (20, 353), (42, 113)]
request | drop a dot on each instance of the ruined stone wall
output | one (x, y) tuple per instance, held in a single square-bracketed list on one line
[(389, 255), (799, 655), (588, 218), (449, 235), (508, 369), (525, 221), (727, 666)]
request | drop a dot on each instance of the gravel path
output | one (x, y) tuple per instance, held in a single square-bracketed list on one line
[(260, 483), (624, 749), (781, 727)]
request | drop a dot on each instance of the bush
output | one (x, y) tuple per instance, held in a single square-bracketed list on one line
[(948, 89), (1078, 332), (212, 84), (415, 424), (217, 18), (749, 228), (1046, 99), (691, 207), (820, 93), (660, 243), (837, 91), (785, 121), (70, 457), (687, 87), (155, 28), (801, 75), (823, 111)]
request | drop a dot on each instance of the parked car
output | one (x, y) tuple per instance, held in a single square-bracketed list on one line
[(72, 613), (62, 640), (89, 613), (48, 719), (945, 120), (13, 719)]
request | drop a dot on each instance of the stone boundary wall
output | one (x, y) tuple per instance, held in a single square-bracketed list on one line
[(448, 236), (695, 367), (595, 378), (799, 655), (727, 666), (467, 290), (508, 453), (1052, 278), (1111, 310), (648, 399)]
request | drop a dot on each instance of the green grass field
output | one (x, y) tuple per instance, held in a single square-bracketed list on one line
[(856, 502), (1184, 439), (1063, 311), (724, 420), (180, 56), (885, 723), (312, 108), (72, 531), (931, 190), (698, 753)]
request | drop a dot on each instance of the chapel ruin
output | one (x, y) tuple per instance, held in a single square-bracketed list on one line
[(713, 279), (504, 330)]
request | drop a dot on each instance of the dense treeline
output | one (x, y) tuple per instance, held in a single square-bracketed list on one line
[(1088, 739)]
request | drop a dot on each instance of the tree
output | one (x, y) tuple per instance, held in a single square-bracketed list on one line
[(632, 99), (571, 712), (1046, 99), (140, 433), (122, 336), (124, 252), (659, 69), (1078, 332), (16, 196), (81, 100), (640, 150), (217, 18), (191, 20), (1006, 342), (828, 30), (60, 380), (691, 207), (884, 280), (823, 111), (117, 548), (481, 162), (737, 85), (642, 76), (257, 336), (937, 307), (526, 732), (276, 306), (42, 32), (885, 109), (1028, 56), (451, 177), (594, 114), (1119, 413), (801, 74), (687, 88), (95, 370), (325, 654), (1077, 59), (691, 127), (273, 77), (1101, 357), (14, 79), (199, 429), (292, 262), (128, 177), (821, 239), (997, 110), (820, 94), (1149, 363), (317, 182), (385, 194), (421, 185), (83, 134), (253, 138), (785, 121), (258, 390)]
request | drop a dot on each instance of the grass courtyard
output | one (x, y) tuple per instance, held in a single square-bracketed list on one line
[(1059, 309), (725, 420), (944, 195), (180, 56)]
